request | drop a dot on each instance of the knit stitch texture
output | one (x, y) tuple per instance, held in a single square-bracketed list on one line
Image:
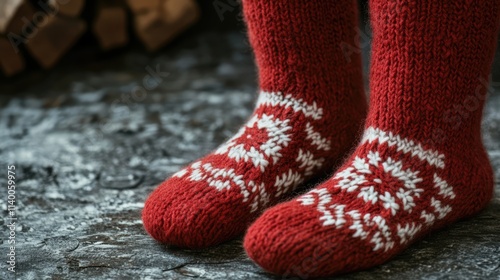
[(421, 164), (306, 119)]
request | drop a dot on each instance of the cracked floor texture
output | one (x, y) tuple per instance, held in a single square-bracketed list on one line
[(89, 147)]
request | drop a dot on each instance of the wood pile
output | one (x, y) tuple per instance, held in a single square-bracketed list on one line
[(47, 29)]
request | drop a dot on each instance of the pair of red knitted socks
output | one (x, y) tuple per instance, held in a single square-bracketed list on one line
[(419, 165)]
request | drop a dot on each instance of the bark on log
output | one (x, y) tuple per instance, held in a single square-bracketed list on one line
[(110, 25), (11, 60), (156, 27), (15, 15), (70, 8), (54, 39)]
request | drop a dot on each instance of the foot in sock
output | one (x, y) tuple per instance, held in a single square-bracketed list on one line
[(421, 164), (306, 119)]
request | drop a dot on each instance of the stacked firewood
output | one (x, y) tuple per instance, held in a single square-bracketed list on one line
[(48, 29)]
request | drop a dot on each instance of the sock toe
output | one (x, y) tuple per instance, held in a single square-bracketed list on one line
[(380, 201), (189, 215), (280, 241), (289, 240)]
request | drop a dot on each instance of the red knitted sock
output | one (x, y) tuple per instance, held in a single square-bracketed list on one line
[(421, 164), (306, 119)]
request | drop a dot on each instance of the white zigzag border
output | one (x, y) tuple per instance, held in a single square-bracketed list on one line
[(287, 101), (403, 144)]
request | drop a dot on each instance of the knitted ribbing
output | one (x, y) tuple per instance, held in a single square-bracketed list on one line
[(421, 164), (307, 117)]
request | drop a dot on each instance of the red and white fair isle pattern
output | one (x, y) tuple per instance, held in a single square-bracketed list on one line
[(305, 121), (275, 151), (421, 164), (261, 144), (385, 197), (390, 191)]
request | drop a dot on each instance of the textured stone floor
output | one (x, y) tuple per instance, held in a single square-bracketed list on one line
[(88, 147)]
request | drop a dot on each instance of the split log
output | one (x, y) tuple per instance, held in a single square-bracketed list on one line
[(110, 25), (15, 15), (53, 39), (11, 60), (70, 8), (156, 27), (140, 6)]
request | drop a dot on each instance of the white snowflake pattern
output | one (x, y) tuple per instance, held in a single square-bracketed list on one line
[(277, 138), (362, 173), (361, 176)]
